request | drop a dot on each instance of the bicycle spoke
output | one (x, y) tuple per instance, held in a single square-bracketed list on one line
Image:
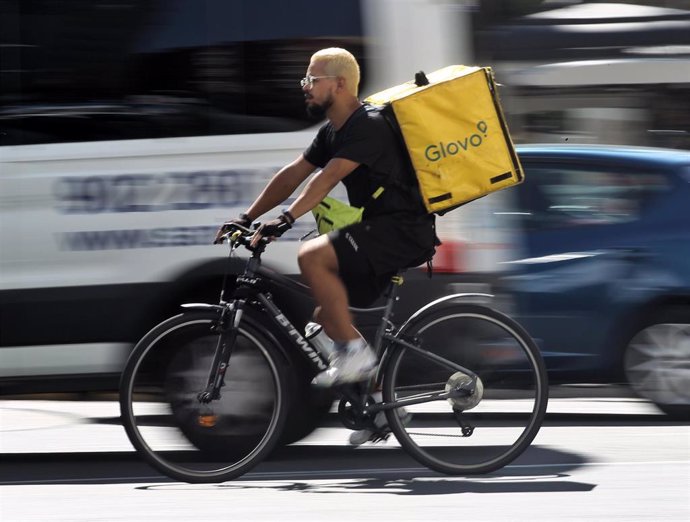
[(436, 385)]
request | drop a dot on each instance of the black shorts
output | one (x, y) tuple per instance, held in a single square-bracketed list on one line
[(371, 252)]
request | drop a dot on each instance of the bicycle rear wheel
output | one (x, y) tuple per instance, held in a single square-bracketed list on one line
[(184, 438), (506, 410)]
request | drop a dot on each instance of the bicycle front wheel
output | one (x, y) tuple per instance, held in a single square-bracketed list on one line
[(466, 434), (172, 429)]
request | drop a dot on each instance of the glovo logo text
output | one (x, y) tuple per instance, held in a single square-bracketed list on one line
[(438, 151)]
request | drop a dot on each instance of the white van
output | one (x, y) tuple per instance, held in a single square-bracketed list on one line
[(129, 132)]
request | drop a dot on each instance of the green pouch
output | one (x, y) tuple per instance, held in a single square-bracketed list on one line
[(332, 214)]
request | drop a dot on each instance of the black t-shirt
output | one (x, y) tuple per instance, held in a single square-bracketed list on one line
[(366, 138)]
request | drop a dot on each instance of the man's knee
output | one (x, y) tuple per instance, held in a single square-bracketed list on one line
[(317, 254)]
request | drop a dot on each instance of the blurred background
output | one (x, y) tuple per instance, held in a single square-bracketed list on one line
[(598, 72), (130, 129)]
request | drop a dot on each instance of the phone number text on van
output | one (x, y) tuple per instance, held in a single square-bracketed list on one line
[(157, 192)]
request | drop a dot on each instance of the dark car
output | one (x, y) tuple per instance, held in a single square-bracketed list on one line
[(603, 283)]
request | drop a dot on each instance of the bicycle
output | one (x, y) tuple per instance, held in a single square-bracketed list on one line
[(203, 394)]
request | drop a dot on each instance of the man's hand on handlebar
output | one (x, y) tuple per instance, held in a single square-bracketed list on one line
[(271, 230), (243, 220), (267, 231)]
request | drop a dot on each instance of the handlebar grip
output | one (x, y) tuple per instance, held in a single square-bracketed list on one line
[(242, 235), (233, 232)]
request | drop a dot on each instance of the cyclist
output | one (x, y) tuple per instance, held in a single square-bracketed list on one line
[(350, 266)]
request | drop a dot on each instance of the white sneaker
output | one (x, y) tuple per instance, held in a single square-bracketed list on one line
[(353, 363), (359, 437)]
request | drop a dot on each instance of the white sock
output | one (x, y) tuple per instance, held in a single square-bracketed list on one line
[(352, 344)]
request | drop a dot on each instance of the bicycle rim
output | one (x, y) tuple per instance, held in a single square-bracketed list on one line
[(503, 415), (177, 434)]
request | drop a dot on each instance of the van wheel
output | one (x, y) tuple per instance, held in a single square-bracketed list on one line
[(309, 406), (657, 361)]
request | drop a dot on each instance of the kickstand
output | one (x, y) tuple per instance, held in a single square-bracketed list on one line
[(466, 429)]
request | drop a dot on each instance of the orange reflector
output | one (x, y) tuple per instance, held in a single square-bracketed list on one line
[(207, 421)]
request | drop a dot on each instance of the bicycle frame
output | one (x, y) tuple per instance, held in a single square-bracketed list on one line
[(249, 290)]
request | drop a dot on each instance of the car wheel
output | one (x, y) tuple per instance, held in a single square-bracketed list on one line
[(657, 362)]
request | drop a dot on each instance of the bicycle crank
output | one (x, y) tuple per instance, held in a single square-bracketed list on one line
[(353, 417)]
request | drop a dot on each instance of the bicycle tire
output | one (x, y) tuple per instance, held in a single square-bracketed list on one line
[(511, 395), (163, 418)]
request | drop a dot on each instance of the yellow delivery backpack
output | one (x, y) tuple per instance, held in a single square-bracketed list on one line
[(455, 133)]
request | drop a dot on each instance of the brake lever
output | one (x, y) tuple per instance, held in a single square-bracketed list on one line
[(233, 236), (309, 234)]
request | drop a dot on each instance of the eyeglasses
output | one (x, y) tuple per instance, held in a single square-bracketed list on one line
[(309, 80)]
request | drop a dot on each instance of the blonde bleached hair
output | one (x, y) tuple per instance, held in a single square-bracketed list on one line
[(340, 62)]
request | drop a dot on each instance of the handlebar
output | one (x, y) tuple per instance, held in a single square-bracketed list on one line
[(238, 234)]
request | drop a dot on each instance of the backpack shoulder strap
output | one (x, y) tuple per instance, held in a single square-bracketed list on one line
[(406, 180)]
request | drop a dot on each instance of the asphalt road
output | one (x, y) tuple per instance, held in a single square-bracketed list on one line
[(599, 458)]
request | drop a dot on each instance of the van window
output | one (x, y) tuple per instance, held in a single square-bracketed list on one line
[(87, 70)]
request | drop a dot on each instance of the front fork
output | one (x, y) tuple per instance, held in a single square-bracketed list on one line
[(227, 326)]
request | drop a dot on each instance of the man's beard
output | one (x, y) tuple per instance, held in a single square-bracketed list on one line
[(318, 112)]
